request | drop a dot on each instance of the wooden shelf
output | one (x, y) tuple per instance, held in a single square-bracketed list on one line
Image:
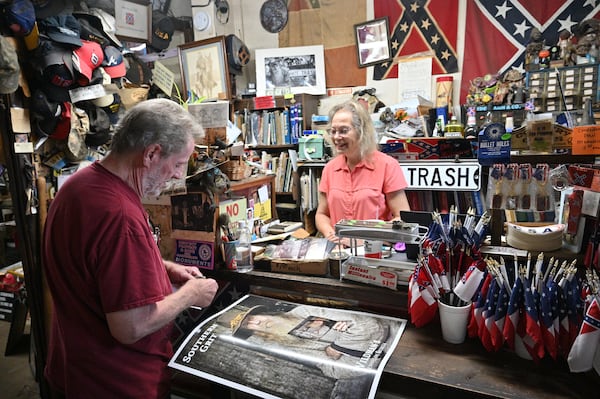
[(552, 158)]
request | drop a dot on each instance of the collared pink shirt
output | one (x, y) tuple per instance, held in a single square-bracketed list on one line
[(360, 194)]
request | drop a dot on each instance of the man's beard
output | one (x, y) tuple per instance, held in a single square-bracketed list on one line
[(153, 185)]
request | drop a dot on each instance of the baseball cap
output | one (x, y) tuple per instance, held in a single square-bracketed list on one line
[(9, 67), (76, 149), (20, 17), (113, 62), (55, 63), (57, 127), (86, 59), (42, 107), (62, 29), (90, 32), (111, 104), (162, 30), (32, 39), (99, 132), (137, 70), (46, 8), (109, 25), (63, 127)]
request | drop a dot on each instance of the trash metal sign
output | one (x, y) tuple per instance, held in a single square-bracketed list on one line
[(457, 176)]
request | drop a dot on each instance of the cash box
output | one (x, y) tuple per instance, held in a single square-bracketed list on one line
[(310, 146)]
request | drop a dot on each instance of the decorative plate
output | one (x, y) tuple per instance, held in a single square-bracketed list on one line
[(274, 15)]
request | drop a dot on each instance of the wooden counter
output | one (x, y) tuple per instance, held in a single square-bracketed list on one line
[(423, 364)]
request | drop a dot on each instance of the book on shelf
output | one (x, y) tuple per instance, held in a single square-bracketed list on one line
[(284, 227)]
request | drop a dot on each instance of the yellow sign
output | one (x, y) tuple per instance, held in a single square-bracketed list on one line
[(262, 210)]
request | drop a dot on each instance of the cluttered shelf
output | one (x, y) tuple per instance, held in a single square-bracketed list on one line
[(552, 158)]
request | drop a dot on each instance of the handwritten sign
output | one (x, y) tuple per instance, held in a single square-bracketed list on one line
[(163, 77), (414, 78), (586, 140)]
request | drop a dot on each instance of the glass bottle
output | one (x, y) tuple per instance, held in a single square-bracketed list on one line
[(454, 128), (588, 113), (471, 131), (243, 253)]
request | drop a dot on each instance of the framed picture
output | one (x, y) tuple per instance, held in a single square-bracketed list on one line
[(133, 20), (204, 69), (290, 70), (373, 42)]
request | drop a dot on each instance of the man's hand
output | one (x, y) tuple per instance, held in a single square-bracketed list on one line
[(204, 289), (179, 274)]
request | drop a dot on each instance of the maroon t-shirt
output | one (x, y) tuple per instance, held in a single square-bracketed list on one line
[(99, 256)]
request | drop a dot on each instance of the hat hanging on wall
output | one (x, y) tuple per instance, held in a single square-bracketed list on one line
[(222, 11), (238, 54), (47, 8), (274, 15), (162, 30)]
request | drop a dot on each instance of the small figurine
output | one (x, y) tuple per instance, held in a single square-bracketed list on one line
[(387, 117), (586, 33), (535, 45), (566, 48)]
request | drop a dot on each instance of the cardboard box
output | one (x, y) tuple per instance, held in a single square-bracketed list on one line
[(311, 146), (313, 268)]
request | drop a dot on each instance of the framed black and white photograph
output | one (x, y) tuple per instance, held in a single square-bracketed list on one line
[(204, 70), (133, 20), (290, 70), (372, 42)]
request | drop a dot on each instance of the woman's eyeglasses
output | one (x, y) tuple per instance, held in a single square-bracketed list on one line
[(342, 131)]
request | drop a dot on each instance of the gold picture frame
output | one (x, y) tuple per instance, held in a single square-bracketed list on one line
[(204, 70)]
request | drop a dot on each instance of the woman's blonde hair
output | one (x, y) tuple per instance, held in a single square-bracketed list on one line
[(361, 122)]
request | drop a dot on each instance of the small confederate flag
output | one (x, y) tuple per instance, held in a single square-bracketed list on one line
[(582, 352)]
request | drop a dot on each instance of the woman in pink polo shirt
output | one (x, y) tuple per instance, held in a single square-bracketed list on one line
[(361, 182)]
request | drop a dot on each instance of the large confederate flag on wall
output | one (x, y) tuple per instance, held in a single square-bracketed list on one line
[(497, 32), (420, 26)]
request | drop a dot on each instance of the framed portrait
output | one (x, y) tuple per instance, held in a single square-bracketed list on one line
[(204, 70), (290, 70), (373, 42), (133, 20)]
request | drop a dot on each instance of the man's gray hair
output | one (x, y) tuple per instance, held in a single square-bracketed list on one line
[(156, 121)]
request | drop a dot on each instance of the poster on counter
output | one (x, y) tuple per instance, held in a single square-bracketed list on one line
[(272, 348)]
